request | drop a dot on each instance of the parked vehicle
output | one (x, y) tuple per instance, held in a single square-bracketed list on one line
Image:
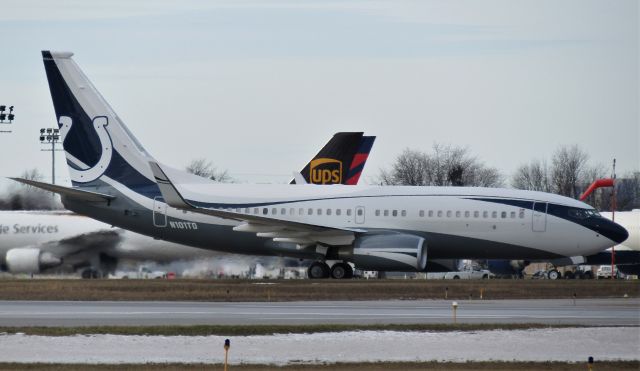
[(605, 271), (468, 274)]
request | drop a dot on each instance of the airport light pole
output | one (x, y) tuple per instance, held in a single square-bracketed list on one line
[(6, 116), (51, 136)]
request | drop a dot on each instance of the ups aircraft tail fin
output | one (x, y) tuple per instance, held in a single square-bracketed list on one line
[(100, 151), (340, 161)]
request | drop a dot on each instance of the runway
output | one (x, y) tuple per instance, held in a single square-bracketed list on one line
[(591, 312)]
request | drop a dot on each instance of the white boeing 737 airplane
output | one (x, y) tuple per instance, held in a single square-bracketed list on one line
[(377, 228)]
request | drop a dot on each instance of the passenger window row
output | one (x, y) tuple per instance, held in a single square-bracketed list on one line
[(467, 214), (394, 213), (293, 211)]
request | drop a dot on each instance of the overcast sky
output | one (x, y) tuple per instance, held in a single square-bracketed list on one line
[(259, 86)]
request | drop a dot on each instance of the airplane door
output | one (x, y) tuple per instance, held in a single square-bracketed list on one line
[(539, 221), (159, 212), (360, 215)]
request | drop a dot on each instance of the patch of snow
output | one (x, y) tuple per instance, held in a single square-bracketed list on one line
[(567, 344)]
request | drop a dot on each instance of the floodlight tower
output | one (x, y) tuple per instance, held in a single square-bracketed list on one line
[(51, 136), (6, 116)]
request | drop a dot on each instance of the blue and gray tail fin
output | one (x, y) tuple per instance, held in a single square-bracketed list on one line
[(98, 146)]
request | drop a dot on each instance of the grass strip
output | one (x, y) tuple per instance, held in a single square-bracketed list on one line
[(246, 330), (368, 366), (311, 290)]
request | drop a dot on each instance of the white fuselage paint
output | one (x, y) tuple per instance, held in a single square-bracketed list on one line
[(43, 229)]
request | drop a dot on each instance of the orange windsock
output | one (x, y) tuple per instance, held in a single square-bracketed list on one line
[(607, 182)]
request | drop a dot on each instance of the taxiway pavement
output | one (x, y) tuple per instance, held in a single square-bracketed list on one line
[(590, 312)]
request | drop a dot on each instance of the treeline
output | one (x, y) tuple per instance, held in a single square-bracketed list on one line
[(567, 172), (23, 197)]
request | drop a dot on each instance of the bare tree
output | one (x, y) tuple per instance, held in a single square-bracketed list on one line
[(409, 168), (532, 177), (445, 165), (568, 166), (204, 168), (25, 197)]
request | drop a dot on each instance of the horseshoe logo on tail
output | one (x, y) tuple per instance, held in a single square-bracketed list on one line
[(90, 173)]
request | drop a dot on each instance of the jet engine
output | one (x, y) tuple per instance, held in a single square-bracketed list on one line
[(387, 252), (30, 260)]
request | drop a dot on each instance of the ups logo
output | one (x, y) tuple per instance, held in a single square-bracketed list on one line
[(325, 171)]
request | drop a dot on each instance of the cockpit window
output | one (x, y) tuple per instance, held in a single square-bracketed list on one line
[(578, 213), (582, 213)]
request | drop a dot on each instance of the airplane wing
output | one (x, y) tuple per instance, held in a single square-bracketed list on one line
[(91, 241), (67, 191), (279, 230)]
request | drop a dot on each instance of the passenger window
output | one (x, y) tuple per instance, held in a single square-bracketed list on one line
[(403, 213), (274, 211), (430, 213), (256, 210), (319, 211), (494, 214), (283, 211), (377, 212), (476, 214), (348, 212), (395, 213), (421, 213), (439, 213), (503, 214), (338, 212), (386, 213), (457, 214), (328, 211), (310, 211), (300, 211), (485, 214), (467, 214), (359, 212), (448, 213), (521, 213), (513, 215), (265, 211), (292, 211)]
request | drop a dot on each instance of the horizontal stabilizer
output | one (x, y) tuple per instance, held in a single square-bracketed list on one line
[(74, 193)]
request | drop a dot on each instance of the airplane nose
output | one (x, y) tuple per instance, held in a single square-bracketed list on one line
[(613, 231)]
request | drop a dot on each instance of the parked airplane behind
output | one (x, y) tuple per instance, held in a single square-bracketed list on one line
[(376, 228), (630, 220), (34, 241)]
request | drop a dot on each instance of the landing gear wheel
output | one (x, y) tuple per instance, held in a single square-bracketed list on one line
[(553, 274), (318, 270), (341, 271)]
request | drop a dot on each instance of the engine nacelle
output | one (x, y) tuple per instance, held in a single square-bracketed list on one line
[(387, 252), (30, 260)]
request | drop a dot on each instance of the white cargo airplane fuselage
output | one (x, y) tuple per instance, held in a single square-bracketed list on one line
[(33, 241), (377, 228)]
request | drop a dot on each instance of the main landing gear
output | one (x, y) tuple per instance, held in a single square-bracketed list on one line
[(340, 270)]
